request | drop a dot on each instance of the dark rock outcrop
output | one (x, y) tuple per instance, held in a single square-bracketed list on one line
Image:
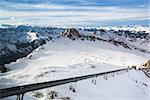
[(146, 64), (71, 34), (3, 69)]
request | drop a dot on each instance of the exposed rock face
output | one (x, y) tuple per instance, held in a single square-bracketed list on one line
[(146, 67), (102, 31), (3, 69), (145, 64), (74, 34), (119, 43), (71, 33), (22, 49), (18, 42)]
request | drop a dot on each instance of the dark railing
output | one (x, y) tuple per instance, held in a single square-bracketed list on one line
[(20, 90)]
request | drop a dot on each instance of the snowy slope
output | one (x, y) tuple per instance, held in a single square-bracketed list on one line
[(70, 54), (18, 41), (126, 86), (137, 36), (63, 57)]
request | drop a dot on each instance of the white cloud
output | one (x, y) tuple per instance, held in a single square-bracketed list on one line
[(54, 14)]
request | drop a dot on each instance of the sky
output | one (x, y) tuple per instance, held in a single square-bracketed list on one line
[(75, 12)]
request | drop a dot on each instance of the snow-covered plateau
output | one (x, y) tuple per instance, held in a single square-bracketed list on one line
[(38, 54)]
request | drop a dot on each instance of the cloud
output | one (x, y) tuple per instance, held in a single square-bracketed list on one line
[(61, 13), (83, 2)]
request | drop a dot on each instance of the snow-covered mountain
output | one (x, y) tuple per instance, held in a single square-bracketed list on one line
[(19, 41), (56, 53), (22, 40)]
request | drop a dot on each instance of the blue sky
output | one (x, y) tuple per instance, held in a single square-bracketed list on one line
[(75, 12)]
